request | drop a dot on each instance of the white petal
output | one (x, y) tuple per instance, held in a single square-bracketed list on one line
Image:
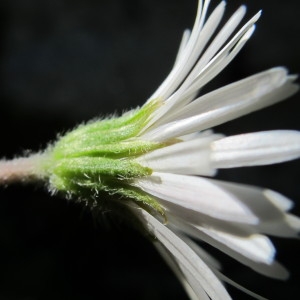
[(235, 208), (261, 148), (189, 157), (195, 270), (198, 39), (171, 261), (196, 218), (273, 270), (215, 266), (217, 43), (185, 37), (226, 55), (213, 68), (208, 259), (238, 286), (282, 202), (174, 105), (293, 221), (198, 194), (202, 73), (256, 247), (272, 218), (196, 135), (220, 61), (228, 103)]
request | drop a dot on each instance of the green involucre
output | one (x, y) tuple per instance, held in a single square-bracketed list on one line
[(100, 157)]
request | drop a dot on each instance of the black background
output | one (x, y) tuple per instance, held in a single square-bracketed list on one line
[(63, 62)]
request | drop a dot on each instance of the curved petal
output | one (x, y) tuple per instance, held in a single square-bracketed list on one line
[(239, 208), (260, 148), (197, 273), (268, 268), (188, 157), (198, 194), (228, 103)]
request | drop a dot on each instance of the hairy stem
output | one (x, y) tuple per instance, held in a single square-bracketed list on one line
[(22, 169)]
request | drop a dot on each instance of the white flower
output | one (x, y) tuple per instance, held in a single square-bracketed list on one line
[(234, 218), (154, 158)]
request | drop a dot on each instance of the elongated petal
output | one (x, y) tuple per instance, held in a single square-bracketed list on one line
[(217, 43), (236, 208), (228, 103), (188, 157), (215, 266), (208, 259), (265, 205), (171, 261), (205, 70), (238, 286), (261, 148), (195, 45), (272, 269), (196, 271), (198, 39), (282, 202), (185, 38), (198, 194), (256, 247)]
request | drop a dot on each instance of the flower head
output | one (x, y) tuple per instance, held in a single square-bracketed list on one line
[(154, 157)]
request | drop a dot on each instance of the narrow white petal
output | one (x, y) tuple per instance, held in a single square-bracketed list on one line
[(260, 148), (231, 49), (219, 62), (198, 194), (197, 273), (196, 218), (212, 69), (197, 41), (256, 247), (171, 261), (195, 135), (246, 90), (238, 286), (282, 202), (294, 222), (208, 259), (189, 157), (200, 76), (273, 270), (272, 218), (203, 73), (217, 43), (236, 208), (228, 103), (185, 37)]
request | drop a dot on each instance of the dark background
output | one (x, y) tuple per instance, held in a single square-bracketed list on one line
[(63, 62)]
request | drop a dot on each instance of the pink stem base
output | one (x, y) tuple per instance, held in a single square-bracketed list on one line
[(21, 169)]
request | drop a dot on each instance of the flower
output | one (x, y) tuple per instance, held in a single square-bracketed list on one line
[(155, 158), (234, 218)]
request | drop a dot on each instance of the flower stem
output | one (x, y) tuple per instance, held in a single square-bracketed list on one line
[(21, 169)]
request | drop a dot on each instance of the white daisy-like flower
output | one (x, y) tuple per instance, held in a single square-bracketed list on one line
[(234, 218), (155, 158)]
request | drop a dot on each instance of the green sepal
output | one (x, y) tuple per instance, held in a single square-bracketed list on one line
[(100, 157), (97, 169), (102, 137), (114, 150)]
